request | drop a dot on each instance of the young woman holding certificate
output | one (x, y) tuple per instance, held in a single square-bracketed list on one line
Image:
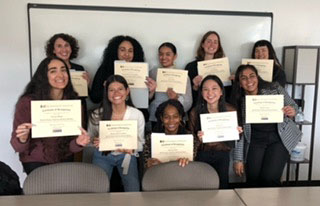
[(51, 81), (211, 99), (117, 105), (210, 48), (264, 149), (66, 48), (263, 49), (167, 56), (120, 47), (170, 122)]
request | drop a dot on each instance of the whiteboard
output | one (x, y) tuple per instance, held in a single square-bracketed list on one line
[(94, 26)]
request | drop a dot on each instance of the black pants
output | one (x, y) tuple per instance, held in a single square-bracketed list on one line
[(30, 166), (219, 160), (266, 159)]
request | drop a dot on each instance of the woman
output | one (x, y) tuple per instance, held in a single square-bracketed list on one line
[(117, 105), (264, 148), (210, 48), (120, 47), (169, 121), (51, 81), (263, 49), (167, 56), (66, 48), (211, 99)]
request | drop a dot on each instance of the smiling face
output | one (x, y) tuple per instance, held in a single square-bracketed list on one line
[(171, 120), (57, 75), (62, 49), (249, 81), (261, 52), (166, 57), (211, 92), (117, 93), (125, 51), (211, 44)]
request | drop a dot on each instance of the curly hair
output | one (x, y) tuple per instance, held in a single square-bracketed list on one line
[(160, 113), (39, 87), (66, 37), (200, 52), (110, 53)]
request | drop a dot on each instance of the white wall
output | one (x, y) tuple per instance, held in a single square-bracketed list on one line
[(295, 23)]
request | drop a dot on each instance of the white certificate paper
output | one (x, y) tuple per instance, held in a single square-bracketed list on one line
[(117, 134), (264, 67), (219, 127), (219, 67), (264, 108), (134, 72), (171, 147), (172, 78), (55, 118), (79, 84)]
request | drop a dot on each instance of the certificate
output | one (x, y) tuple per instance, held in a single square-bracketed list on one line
[(79, 84), (264, 67), (134, 72), (264, 108), (115, 135), (172, 78), (171, 147), (219, 127), (219, 67), (55, 118)]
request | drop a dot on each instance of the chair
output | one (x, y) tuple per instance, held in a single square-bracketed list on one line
[(68, 177), (170, 176)]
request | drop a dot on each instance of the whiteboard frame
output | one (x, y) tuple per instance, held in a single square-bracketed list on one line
[(139, 10)]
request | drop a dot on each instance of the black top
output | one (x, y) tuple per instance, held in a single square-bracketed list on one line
[(76, 67), (279, 76), (103, 73), (192, 69)]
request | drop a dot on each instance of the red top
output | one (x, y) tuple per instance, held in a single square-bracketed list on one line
[(33, 149)]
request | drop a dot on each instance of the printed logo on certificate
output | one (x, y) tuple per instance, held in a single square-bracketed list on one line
[(135, 73), (219, 127), (264, 67), (55, 118), (219, 67), (264, 108), (117, 134), (172, 78), (171, 147), (79, 84)]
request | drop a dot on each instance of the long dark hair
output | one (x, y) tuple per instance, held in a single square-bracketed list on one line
[(159, 127), (110, 53), (40, 89), (66, 37), (202, 106), (238, 93), (272, 53), (200, 51), (105, 111)]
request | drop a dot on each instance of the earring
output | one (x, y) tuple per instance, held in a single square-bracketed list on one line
[(127, 98)]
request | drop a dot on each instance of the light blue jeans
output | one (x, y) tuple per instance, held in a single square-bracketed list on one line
[(130, 181)]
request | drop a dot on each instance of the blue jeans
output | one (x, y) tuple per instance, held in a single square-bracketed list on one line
[(130, 181)]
